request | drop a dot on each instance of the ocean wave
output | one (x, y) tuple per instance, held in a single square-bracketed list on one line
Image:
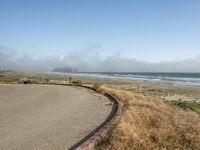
[(175, 78)]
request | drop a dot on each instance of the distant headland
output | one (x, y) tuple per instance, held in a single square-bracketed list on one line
[(65, 70)]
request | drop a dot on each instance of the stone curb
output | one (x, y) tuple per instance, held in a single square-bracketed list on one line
[(100, 134)]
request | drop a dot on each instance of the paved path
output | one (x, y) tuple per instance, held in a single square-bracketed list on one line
[(48, 117)]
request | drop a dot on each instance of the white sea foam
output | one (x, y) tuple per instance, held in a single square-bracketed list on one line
[(175, 78)]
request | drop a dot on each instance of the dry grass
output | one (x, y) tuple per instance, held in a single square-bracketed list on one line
[(150, 124), (145, 123)]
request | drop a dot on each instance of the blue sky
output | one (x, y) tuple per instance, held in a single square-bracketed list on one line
[(146, 30)]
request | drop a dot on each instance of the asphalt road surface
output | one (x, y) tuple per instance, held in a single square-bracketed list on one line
[(48, 117)]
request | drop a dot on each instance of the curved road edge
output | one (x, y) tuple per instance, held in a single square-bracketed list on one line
[(97, 135)]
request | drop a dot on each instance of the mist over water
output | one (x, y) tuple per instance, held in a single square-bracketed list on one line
[(91, 60)]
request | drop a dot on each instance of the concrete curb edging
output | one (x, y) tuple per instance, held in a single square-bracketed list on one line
[(97, 135)]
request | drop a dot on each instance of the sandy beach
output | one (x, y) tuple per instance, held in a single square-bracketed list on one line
[(159, 90), (154, 115)]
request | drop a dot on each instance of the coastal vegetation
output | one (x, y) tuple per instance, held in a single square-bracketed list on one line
[(77, 82), (153, 116), (192, 105), (97, 87), (147, 123)]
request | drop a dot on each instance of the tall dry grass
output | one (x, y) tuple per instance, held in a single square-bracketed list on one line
[(149, 124)]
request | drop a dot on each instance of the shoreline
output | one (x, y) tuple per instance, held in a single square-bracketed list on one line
[(163, 111), (168, 78), (159, 90)]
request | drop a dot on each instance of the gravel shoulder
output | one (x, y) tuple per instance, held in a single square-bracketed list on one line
[(48, 117)]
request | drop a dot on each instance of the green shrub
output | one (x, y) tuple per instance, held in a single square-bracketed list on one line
[(77, 82), (28, 81), (97, 87), (46, 80), (195, 106)]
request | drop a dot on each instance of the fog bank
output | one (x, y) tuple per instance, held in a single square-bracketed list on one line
[(91, 61)]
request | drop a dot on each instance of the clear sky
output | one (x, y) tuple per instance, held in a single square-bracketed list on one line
[(147, 30)]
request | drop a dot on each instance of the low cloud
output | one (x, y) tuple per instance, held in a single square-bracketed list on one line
[(90, 60)]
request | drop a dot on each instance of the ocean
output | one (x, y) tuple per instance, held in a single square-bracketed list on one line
[(174, 78)]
